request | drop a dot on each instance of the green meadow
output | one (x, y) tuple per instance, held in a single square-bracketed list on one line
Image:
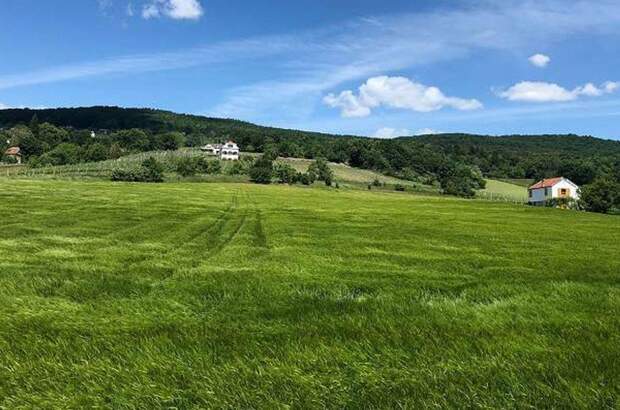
[(504, 191), (212, 295)]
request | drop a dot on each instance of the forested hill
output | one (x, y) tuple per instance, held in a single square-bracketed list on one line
[(126, 130)]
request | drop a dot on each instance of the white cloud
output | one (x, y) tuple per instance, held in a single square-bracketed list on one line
[(129, 10), (540, 60), (388, 132), (426, 131), (532, 91), (175, 9), (395, 92)]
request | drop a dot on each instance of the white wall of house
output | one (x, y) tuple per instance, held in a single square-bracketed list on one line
[(572, 189)]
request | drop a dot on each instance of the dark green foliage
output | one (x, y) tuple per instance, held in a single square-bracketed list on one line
[(461, 180), (422, 159), (261, 171), (399, 187), (319, 170), (62, 154), (170, 141), (285, 173), (115, 151), (187, 166), (96, 152), (150, 171), (602, 195)]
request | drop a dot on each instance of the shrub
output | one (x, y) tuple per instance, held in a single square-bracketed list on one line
[(399, 187), (127, 175), (150, 171), (262, 170), (95, 152), (187, 167), (285, 173), (602, 195), (63, 154), (321, 171), (376, 182), (461, 180), (214, 167)]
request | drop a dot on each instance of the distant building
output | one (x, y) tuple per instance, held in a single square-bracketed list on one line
[(14, 152), (229, 151), (552, 188)]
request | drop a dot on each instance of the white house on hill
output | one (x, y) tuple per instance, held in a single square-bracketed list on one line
[(229, 151), (552, 188)]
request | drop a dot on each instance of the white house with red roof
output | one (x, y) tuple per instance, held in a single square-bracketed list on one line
[(552, 188)]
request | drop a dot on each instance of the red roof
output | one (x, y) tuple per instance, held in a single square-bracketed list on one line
[(13, 151), (546, 183)]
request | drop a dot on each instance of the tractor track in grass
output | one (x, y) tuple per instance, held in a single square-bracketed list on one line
[(187, 237)]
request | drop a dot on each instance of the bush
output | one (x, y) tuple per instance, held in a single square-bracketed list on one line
[(187, 167), (376, 182), (399, 187), (461, 180), (95, 152), (602, 195), (150, 171), (320, 171), (63, 154), (214, 167), (285, 173), (8, 159), (262, 171)]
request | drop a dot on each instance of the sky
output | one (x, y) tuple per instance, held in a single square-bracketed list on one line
[(365, 67)]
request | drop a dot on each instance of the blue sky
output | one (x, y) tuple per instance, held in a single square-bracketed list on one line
[(381, 68)]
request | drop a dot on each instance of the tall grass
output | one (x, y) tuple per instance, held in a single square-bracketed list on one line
[(182, 295)]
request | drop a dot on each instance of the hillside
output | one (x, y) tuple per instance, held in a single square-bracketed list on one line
[(456, 163), (245, 296)]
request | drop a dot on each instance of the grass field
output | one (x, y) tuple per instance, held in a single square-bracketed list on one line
[(243, 296), (500, 190)]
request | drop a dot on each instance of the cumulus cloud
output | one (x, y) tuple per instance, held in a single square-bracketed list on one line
[(540, 60), (532, 91), (175, 9), (388, 132), (395, 92)]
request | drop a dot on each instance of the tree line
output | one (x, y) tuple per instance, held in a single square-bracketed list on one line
[(455, 162)]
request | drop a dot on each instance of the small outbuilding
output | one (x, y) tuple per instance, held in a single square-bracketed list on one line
[(14, 152), (552, 188)]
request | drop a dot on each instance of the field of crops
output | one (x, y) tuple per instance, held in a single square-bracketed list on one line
[(503, 191), (242, 296)]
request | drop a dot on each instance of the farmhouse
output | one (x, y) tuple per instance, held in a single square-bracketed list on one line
[(229, 151), (14, 152), (552, 188)]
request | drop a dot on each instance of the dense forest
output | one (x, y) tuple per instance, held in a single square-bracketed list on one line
[(64, 135)]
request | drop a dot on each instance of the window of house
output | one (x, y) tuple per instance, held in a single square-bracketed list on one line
[(531, 193), (546, 191), (563, 191)]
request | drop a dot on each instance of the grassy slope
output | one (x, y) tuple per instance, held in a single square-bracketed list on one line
[(343, 172), (103, 169), (237, 295), (503, 191)]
